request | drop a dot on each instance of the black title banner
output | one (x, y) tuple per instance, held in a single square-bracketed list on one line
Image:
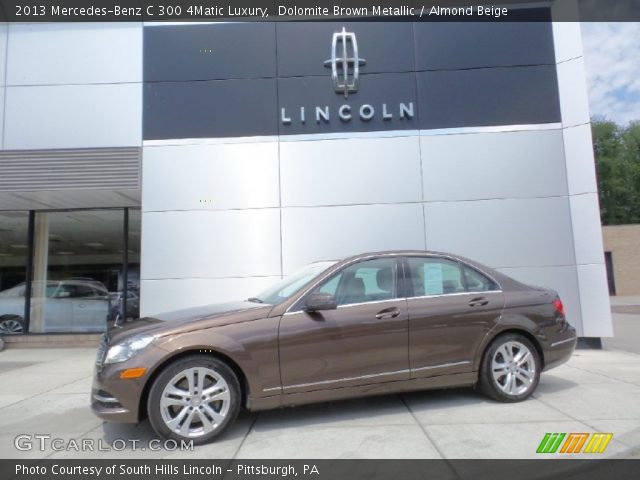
[(278, 10), (565, 469)]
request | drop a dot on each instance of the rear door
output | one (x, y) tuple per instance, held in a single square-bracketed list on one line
[(452, 306)]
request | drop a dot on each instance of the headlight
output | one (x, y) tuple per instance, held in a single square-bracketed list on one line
[(127, 349)]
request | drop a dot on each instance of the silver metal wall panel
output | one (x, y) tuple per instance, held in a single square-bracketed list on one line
[(74, 53), (211, 177), (3, 68), (73, 116), (168, 294), (523, 232), (3, 52), (350, 171), (210, 244), (482, 166)]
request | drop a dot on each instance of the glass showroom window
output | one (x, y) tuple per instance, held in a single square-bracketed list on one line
[(14, 249), (77, 270), (131, 276)]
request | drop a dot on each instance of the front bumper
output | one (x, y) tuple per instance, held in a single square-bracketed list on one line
[(120, 400), (108, 407)]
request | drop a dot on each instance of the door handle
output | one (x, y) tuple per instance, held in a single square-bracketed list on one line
[(388, 313), (478, 302)]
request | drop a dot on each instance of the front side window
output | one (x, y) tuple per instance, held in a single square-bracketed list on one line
[(367, 281), (435, 276)]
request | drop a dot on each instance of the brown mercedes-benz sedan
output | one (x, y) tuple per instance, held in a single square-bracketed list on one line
[(369, 324)]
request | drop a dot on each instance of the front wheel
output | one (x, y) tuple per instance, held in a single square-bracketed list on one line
[(195, 398), (510, 369)]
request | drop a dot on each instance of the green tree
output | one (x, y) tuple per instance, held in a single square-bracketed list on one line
[(617, 152), (631, 159)]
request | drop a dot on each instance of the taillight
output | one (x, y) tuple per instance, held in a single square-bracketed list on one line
[(557, 304)]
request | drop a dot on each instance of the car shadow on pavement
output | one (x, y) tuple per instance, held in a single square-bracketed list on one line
[(143, 432), (551, 384)]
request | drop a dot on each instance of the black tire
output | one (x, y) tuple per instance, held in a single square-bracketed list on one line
[(154, 409), (12, 325), (494, 388)]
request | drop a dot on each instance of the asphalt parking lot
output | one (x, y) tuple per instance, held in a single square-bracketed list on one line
[(46, 391)]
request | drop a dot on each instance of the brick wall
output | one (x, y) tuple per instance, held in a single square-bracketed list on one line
[(623, 241)]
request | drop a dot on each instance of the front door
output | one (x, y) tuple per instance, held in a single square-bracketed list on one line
[(452, 307), (364, 341)]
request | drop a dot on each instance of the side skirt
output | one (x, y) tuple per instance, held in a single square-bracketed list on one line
[(325, 395)]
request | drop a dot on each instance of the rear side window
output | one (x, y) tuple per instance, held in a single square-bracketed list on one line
[(440, 276), (435, 276), (477, 282)]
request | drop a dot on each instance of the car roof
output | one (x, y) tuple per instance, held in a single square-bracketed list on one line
[(399, 253)]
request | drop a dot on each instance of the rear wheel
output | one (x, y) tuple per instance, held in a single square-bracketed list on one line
[(510, 369), (195, 398)]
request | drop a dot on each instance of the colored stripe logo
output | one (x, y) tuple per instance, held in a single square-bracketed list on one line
[(598, 442), (574, 442)]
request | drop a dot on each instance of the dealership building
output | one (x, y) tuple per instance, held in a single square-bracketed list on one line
[(188, 164)]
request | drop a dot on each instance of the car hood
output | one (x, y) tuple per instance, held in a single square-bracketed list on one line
[(197, 318)]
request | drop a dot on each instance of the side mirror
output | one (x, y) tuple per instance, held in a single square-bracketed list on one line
[(320, 301), (63, 295)]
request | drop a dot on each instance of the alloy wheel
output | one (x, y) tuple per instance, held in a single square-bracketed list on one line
[(11, 327), (195, 402), (514, 368)]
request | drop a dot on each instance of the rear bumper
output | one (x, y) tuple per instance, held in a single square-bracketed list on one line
[(559, 349)]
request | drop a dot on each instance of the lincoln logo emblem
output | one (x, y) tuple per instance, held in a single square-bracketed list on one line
[(345, 67), (348, 62)]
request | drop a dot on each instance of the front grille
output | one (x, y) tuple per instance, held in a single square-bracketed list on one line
[(102, 349)]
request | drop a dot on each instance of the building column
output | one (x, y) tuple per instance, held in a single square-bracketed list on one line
[(40, 262)]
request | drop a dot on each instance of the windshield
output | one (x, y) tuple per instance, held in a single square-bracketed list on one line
[(292, 284)]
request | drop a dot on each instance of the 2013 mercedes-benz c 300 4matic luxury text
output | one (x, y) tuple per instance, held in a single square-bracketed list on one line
[(369, 324)]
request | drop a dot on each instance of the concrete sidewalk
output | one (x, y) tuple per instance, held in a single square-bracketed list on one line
[(46, 391)]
